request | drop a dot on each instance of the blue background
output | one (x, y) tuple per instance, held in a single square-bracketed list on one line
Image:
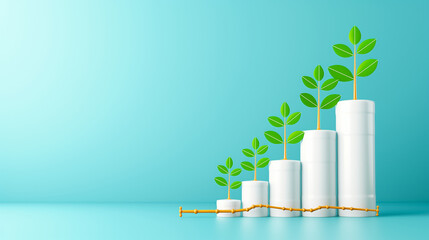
[(140, 100)]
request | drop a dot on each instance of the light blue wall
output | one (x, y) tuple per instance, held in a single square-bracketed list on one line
[(139, 101)]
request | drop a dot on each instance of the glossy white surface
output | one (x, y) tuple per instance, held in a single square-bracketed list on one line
[(285, 187), (254, 192), (227, 204), (318, 159), (355, 120)]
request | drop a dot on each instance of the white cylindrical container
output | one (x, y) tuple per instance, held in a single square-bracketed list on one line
[(228, 204), (318, 159), (285, 187), (356, 156), (253, 193)]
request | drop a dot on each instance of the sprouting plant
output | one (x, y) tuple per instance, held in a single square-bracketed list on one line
[(365, 69), (259, 150), (227, 170), (308, 99), (274, 137)]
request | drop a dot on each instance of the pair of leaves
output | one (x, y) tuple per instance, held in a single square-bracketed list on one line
[(365, 47), (343, 74), (355, 36), (261, 150), (326, 86), (248, 166), (222, 182), (318, 75), (327, 103), (291, 120), (222, 169), (275, 138)]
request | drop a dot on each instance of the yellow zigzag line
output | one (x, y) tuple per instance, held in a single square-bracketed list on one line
[(280, 208)]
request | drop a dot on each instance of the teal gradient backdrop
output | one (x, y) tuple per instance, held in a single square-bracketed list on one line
[(141, 100)]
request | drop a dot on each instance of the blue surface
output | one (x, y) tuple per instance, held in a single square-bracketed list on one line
[(141, 100), (161, 221)]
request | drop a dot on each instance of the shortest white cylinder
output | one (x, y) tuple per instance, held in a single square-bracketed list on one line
[(285, 187), (253, 193), (228, 204)]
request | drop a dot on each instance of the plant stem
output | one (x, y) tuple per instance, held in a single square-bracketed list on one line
[(318, 105), (284, 139), (229, 184), (354, 75), (255, 167)]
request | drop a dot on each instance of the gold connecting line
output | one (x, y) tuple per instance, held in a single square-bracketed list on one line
[(275, 207)]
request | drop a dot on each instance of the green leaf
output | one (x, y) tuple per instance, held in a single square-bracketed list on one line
[(248, 166), (309, 82), (354, 35), (221, 181), (367, 67), (235, 185), (275, 121), (229, 162), (295, 137), (366, 46), (330, 101), (285, 109), (342, 50), (248, 153), (318, 73), (255, 143), (329, 84), (236, 172), (263, 162), (273, 137), (262, 149), (308, 100), (222, 169), (341, 73), (293, 118)]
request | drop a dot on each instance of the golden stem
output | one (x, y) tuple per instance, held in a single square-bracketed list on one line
[(284, 139), (255, 167), (318, 106), (229, 185), (354, 76)]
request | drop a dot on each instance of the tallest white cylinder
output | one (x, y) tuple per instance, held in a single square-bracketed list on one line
[(356, 156)]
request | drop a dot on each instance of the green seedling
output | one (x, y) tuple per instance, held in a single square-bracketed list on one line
[(275, 138), (227, 170), (257, 150), (329, 102), (365, 69)]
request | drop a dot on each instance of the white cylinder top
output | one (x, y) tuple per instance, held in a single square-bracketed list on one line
[(229, 200), (276, 165), (355, 106), (320, 134), (253, 183)]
